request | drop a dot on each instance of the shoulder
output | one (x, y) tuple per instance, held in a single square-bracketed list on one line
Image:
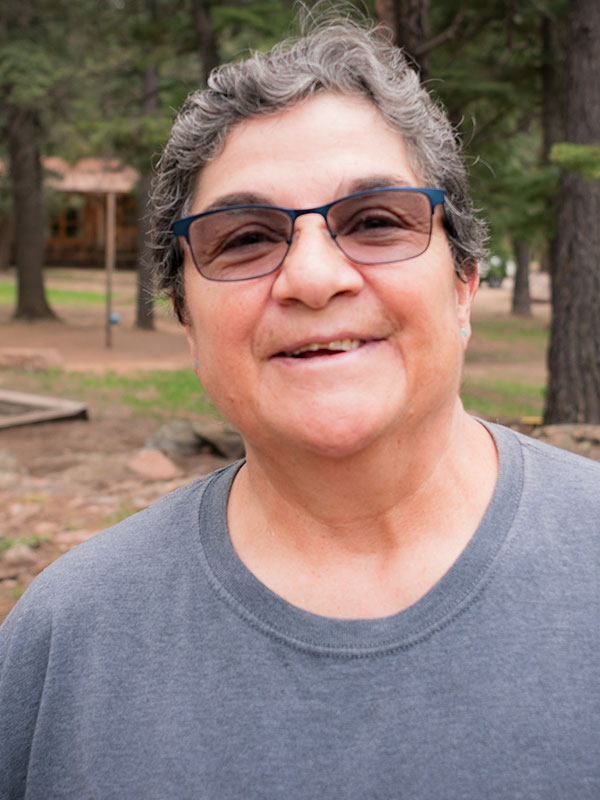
[(148, 549), (555, 495), (543, 461)]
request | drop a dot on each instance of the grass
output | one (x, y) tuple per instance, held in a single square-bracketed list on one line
[(33, 541), (164, 394), (502, 399), (60, 297), (157, 393), (514, 330)]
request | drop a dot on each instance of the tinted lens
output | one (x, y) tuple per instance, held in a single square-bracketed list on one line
[(239, 243), (382, 227)]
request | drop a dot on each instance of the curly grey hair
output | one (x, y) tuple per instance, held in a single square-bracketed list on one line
[(338, 56)]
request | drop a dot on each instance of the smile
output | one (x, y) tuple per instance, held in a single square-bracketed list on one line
[(322, 348)]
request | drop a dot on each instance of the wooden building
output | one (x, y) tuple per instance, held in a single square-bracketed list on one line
[(76, 222)]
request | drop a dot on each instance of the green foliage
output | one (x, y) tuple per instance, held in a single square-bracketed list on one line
[(28, 73), (491, 84), (581, 158)]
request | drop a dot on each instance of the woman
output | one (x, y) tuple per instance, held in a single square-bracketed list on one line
[(387, 598)]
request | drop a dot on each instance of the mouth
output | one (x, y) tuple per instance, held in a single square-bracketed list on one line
[(315, 349)]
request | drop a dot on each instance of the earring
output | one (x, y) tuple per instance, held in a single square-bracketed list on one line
[(462, 330), (196, 364)]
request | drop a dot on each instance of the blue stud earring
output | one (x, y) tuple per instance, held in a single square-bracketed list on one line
[(462, 330), (196, 364)]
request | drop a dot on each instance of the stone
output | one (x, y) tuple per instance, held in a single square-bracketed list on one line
[(154, 465), (587, 433), (582, 439), (220, 437), (176, 436), (185, 438)]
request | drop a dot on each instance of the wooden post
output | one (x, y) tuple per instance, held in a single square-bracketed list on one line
[(110, 247)]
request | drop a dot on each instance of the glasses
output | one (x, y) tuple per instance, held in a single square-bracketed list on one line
[(379, 226)]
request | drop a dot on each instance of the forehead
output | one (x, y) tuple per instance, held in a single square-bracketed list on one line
[(308, 154)]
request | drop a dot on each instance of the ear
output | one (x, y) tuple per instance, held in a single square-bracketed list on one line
[(466, 289)]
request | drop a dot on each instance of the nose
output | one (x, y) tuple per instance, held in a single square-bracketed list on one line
[(315, 270)]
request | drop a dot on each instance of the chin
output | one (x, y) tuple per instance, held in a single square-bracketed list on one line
[(332, 436)]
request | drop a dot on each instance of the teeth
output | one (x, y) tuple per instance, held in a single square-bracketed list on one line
[(336, 344)]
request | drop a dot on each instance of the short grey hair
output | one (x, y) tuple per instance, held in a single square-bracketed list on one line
[(340, 56)]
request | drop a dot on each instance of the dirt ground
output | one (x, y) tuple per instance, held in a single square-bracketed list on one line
[(61, 482)]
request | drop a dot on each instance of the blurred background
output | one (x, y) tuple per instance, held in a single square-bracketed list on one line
[(88, 91)]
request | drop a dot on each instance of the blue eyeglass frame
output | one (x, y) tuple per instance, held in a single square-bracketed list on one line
[(181, 226)]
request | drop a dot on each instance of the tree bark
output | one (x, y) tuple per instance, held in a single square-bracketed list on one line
[(573, 393), (22, 130), (207, 41), (145, 283), (521, 299), (408, 21), (552, 119), (6, 238)]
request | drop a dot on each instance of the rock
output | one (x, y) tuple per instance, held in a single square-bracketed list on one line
[(175, 437), (586, 433), (151, 463), (220, 437), (182, 437), (19, 556), (582, 439)]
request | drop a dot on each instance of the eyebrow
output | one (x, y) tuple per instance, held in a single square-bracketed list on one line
[(238, 199), (379, 182), (359, 185)]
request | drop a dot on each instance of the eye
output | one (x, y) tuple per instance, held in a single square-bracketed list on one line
[(375, 222), (249, 237), (374, 218)]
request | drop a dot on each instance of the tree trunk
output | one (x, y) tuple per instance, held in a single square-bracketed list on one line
[(207, 41), (408, 21), (6, 237), (145, 283), (552, 119), (521, 299), (574, 357), (28, 207)]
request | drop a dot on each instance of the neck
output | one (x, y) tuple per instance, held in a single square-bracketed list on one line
[(391, 507)]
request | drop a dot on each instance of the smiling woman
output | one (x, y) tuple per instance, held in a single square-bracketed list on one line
[(353, 610)]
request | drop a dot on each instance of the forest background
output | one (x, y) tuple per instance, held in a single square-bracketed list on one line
[(520, 80)]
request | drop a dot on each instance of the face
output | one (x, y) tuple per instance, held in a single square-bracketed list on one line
[(403, 321)]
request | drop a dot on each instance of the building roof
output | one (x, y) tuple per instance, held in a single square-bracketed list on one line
[(90, 175)]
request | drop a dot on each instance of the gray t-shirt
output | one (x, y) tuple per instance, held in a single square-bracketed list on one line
[(150, 663)]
